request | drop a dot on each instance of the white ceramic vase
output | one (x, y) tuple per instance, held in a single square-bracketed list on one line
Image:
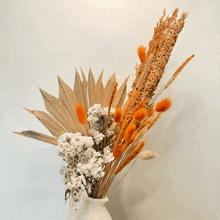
[(90, 209)]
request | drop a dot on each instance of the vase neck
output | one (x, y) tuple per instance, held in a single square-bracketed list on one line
[(96, 201)]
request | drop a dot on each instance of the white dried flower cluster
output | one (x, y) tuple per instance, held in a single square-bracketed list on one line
[(85, 164), (98, 137), (97, 111), (98, 116)]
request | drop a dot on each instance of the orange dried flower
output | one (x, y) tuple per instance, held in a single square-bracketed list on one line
[(129, 132), (81, 113), (117, 115), (163, 105), (142, 54), (118, 150), (140, 114)]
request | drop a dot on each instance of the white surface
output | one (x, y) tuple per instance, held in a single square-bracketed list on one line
[(40, 39)]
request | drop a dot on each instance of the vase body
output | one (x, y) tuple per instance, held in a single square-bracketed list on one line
[(92, 209)]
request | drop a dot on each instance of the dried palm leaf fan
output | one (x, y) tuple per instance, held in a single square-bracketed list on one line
[(132, 119), (63, 110)]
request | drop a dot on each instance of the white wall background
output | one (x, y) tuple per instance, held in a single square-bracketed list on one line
[(40, 39)]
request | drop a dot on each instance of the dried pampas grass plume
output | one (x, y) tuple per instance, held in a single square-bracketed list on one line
[(148, 154)]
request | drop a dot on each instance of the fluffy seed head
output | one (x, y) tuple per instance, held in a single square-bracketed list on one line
[(163, 105), (140, 114), (81, 113), (129, 132), (118, 114), (142, 54), (148, 154)]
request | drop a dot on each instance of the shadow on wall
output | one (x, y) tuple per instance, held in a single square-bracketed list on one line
[(114, 205)]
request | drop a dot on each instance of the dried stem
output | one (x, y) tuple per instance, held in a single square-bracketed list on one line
[(109, 109)]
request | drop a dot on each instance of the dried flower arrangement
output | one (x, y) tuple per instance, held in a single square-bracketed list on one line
[(96, 132)]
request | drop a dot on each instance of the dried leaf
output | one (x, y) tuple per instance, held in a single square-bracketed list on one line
[(68, 99), (55, 107), (50, 123), (38, 136), (124, 105), (120, 95), (91, 88), (85, 85), (99, 89), (108, 90), (78, 89)]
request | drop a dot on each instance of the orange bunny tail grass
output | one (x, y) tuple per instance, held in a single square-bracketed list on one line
[(117, 115), (131, 156), (118, 150), (140, 105), (163, 105), (129, 132), (81, 113), (140, 114), (142, 54)]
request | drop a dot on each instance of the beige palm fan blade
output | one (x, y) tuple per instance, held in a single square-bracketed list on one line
[(68, 99), (108, 90), (79, 93), (56, 109), (85, 94), (38, 136), (99, 89), (50, 123), (79, 90), (91, 88), (120, 95), (124, 105)]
